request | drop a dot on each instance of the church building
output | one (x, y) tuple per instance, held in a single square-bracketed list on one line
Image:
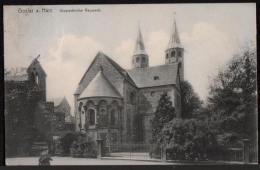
[(117, 105)]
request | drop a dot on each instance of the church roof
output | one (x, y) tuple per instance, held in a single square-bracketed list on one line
[(99, 87), (121, 71), (35, 63), (139, 45), (174, 39), (154, 76)]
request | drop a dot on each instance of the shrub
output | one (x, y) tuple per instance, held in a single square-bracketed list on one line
[(83, 146), (66, 142), (190, 140)]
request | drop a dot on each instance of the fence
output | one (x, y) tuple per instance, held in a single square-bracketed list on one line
[(246, 152), (138, 151)]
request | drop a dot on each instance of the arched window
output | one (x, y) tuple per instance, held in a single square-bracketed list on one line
[(112, 117), (173, 54), (132, 97), (179, 53), (92, 117), (36, 78), (143, 59), (103, 117)]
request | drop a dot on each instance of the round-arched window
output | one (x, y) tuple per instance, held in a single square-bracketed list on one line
[(92, 117), (132, 97), (179, 53), (143, 59), (173, 54), (112, 117)]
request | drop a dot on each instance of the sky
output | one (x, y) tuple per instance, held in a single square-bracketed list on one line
[(68, 41)]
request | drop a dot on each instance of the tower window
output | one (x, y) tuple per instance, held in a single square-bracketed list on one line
[(143, 59), (173, 54), (156, 77), (36, 78), (137, 59), (179, 53)]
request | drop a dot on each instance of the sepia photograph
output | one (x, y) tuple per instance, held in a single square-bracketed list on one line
[(130, 84)]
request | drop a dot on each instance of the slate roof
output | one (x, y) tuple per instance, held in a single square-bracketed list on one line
[(16, 74), (99, 86), (121, 71), (145, 77)]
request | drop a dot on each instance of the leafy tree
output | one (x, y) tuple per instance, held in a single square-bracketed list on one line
[(164, 113), (191, 103), (232, 100), (190, 139)]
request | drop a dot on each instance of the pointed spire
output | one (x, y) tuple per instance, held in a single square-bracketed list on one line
[(174, 39), (139, 46)]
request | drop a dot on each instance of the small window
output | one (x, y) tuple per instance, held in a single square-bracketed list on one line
[(132, 97), (137, 59), (173, 54), (167, 56), (179, 53), (156, 77), (113, 117), (152, 93), (143, 59), (92, 117)]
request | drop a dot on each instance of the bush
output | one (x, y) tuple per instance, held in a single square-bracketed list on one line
[(83, 146), (190, 140), (66, 142)]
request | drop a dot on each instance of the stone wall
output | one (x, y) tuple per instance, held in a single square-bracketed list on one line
[(130, 110), (148, 102)]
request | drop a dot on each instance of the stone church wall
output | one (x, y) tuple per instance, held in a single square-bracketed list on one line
[(130, 110), (148, 102)]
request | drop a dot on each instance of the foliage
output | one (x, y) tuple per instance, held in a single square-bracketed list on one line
[(190, 139), (232, 101), (66, 142), (191, 103), (83, 146), (164, 113)]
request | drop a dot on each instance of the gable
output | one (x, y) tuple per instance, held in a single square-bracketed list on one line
[(35, 66), (111, 70), (99, 87)]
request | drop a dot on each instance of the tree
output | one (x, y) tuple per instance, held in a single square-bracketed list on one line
[(191, 103), (164, 113), (232, 100), (190, 139)]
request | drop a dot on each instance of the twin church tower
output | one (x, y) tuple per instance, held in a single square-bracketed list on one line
[(173, 53)]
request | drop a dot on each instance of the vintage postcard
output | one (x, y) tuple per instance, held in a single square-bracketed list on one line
[(135, 84)]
